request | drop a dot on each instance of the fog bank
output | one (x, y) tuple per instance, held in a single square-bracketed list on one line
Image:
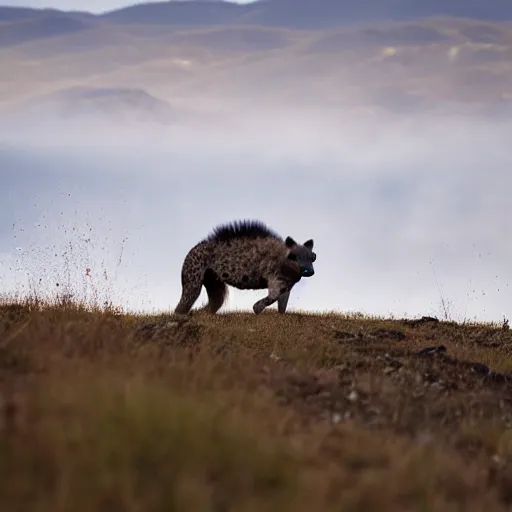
[(404, 212)]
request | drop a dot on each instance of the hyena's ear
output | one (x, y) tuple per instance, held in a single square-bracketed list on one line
[(309, 244), (290, 242)]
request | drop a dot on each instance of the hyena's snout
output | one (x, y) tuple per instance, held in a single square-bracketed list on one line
[(307, 271)]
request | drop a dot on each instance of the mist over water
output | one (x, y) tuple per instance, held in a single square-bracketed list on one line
[(405, 213)]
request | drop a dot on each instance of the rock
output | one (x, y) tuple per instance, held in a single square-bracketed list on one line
[(392, 334), (353, 396), (274, 357), (430, 351), (439, 385), (336, 418), (422, 320)]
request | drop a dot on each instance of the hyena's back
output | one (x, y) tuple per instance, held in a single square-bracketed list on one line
[(245, 263)]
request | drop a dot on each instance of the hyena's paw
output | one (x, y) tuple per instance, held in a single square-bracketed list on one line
[(259, 307)]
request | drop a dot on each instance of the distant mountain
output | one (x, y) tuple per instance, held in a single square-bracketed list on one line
[(396, 53), (43, 24), (332, 13), (20, 13), (180, 13), (8, 13), (109, 103), (306, 14)]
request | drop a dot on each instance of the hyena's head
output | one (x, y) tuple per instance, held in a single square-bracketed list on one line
[(302, 255)]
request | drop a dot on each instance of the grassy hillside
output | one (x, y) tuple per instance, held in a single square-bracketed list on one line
[(105, 411)]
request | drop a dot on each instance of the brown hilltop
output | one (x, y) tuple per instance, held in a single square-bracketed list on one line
[(286, 412)]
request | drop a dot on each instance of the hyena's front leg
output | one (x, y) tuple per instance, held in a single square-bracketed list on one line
[(282, 301), (275, 290)]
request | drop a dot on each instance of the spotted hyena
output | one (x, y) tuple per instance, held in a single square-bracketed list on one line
[(246, 255)]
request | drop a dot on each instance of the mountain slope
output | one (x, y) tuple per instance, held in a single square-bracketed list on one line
[(191, 13), (330, 13), (107, 103), (306, 13), (19, 25), (41, 26), (8, 13)]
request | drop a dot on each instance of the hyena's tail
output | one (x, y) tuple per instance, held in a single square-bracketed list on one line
[(216, 289), (192, 274)]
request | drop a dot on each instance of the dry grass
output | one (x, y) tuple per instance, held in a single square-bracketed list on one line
[(106, 411)]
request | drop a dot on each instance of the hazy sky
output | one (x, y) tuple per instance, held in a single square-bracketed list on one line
[(404, 215), (82, 5)]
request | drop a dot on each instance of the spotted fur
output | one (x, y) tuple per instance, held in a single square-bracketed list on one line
[(246, 255)]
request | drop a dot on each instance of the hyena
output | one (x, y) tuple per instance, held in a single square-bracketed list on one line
[(246, 255)]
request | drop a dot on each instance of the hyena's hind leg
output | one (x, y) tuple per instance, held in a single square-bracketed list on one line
[(216, 289), (191, 289), (191, 284)]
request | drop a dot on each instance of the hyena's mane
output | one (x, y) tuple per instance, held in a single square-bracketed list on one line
[(241, 229)]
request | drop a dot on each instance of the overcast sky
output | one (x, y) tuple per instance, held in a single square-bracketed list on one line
[(81, 5)]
